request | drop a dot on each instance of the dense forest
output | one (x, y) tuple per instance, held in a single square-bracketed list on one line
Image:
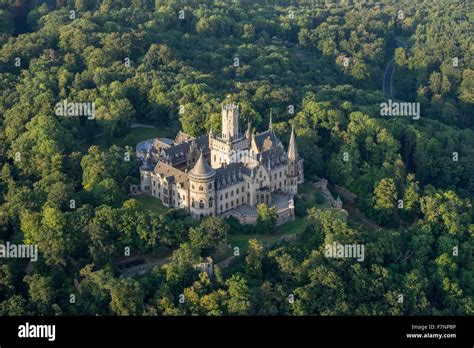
[(319, 66)]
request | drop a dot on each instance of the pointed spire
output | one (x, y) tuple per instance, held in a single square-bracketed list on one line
[(270, 126), (253, 143), (201, 169), (292, 149)]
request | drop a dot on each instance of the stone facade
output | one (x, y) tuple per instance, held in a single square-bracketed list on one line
[(217, 173)]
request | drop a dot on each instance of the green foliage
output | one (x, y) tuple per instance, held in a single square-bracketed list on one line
[(267, 217), (179, 74)]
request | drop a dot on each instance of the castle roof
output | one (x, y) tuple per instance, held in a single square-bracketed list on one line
[(275, 156), (202, 170), (177, 154), (229, 175), (171, 174), (265, 140)]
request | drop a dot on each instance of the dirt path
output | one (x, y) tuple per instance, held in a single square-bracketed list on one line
[(388, 75)]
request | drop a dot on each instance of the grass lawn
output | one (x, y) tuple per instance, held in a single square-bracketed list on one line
[(241, 240), (151, 203), (135, 136), (144, 133)]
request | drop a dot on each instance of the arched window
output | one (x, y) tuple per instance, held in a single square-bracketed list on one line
[(201, 204)]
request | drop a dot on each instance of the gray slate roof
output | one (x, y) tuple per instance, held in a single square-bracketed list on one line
[(177, 154), (202, 169)]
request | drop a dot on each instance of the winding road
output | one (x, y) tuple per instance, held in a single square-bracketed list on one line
[(388, 75)]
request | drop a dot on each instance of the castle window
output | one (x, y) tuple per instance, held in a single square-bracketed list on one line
[(200, 188), (201, 204)]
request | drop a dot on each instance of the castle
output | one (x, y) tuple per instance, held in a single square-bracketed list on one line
[(225, 174)]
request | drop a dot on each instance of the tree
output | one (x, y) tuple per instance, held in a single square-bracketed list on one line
[(267, 217), (210, 235), (41, 292), (254, 259), (127, 297), (239, 300), (385, 195)]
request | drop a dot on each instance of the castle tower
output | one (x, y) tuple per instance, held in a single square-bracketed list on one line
[(201, 189), (230, 122), (292, 176), (225, 148)]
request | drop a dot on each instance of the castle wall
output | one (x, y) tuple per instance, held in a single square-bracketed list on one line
[(231, 197)]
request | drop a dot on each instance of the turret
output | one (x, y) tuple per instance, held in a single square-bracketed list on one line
[(292, 176), (270, 126), (292, 149), (248, 132), (201, 188)]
